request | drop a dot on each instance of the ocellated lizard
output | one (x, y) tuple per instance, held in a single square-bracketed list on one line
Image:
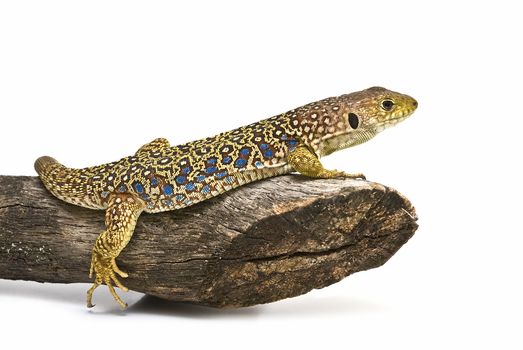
[(160, 177)]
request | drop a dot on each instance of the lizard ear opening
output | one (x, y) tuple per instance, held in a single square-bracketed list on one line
[(354, 121)]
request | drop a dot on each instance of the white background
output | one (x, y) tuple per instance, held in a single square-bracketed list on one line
[(89, 82)]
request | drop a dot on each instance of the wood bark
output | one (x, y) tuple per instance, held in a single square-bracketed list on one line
[(263, 242)]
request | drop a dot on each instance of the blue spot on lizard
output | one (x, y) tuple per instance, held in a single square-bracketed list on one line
[(168, 190), (240, 163)]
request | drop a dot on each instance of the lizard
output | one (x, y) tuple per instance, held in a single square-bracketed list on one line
[(160, 177)]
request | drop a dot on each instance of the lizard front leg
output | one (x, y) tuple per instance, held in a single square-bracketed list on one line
[(304, 161), (120, 220)]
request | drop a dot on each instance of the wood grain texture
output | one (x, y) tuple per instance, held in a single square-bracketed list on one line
[(263, 242)]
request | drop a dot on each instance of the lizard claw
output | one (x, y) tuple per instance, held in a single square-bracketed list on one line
[(353, 176), (117, 270), (104, 269), (331, 174)]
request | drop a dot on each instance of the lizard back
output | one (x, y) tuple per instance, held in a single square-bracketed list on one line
[(167, 178)]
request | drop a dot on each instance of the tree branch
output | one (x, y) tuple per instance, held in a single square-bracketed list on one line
[(263, 242)]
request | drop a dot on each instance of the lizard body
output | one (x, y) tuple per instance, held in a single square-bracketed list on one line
[(159, 177)]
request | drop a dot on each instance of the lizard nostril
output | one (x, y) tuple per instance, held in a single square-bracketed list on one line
[(415, 103)]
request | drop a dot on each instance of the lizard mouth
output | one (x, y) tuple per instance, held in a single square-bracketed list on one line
[(395, 118)]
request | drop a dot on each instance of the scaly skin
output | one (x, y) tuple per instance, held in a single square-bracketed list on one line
[(159, 177)]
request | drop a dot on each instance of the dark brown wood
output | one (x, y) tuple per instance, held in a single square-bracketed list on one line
[(263, 242)]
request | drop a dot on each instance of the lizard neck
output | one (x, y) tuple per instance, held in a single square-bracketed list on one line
[(335, 143)]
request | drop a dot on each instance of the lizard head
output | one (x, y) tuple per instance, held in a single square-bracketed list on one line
[(361, 116)]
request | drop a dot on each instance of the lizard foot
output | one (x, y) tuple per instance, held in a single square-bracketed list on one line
[(332, 174), (353, 176), (105, 270)]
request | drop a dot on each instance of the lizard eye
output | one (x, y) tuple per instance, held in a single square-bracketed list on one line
[(387, 105), (354, 121)]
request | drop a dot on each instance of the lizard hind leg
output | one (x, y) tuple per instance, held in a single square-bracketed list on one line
[(120, 220)]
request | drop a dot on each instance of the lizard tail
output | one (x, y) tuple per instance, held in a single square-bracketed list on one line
[(44, 164), (64, 183), (55, 176)]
